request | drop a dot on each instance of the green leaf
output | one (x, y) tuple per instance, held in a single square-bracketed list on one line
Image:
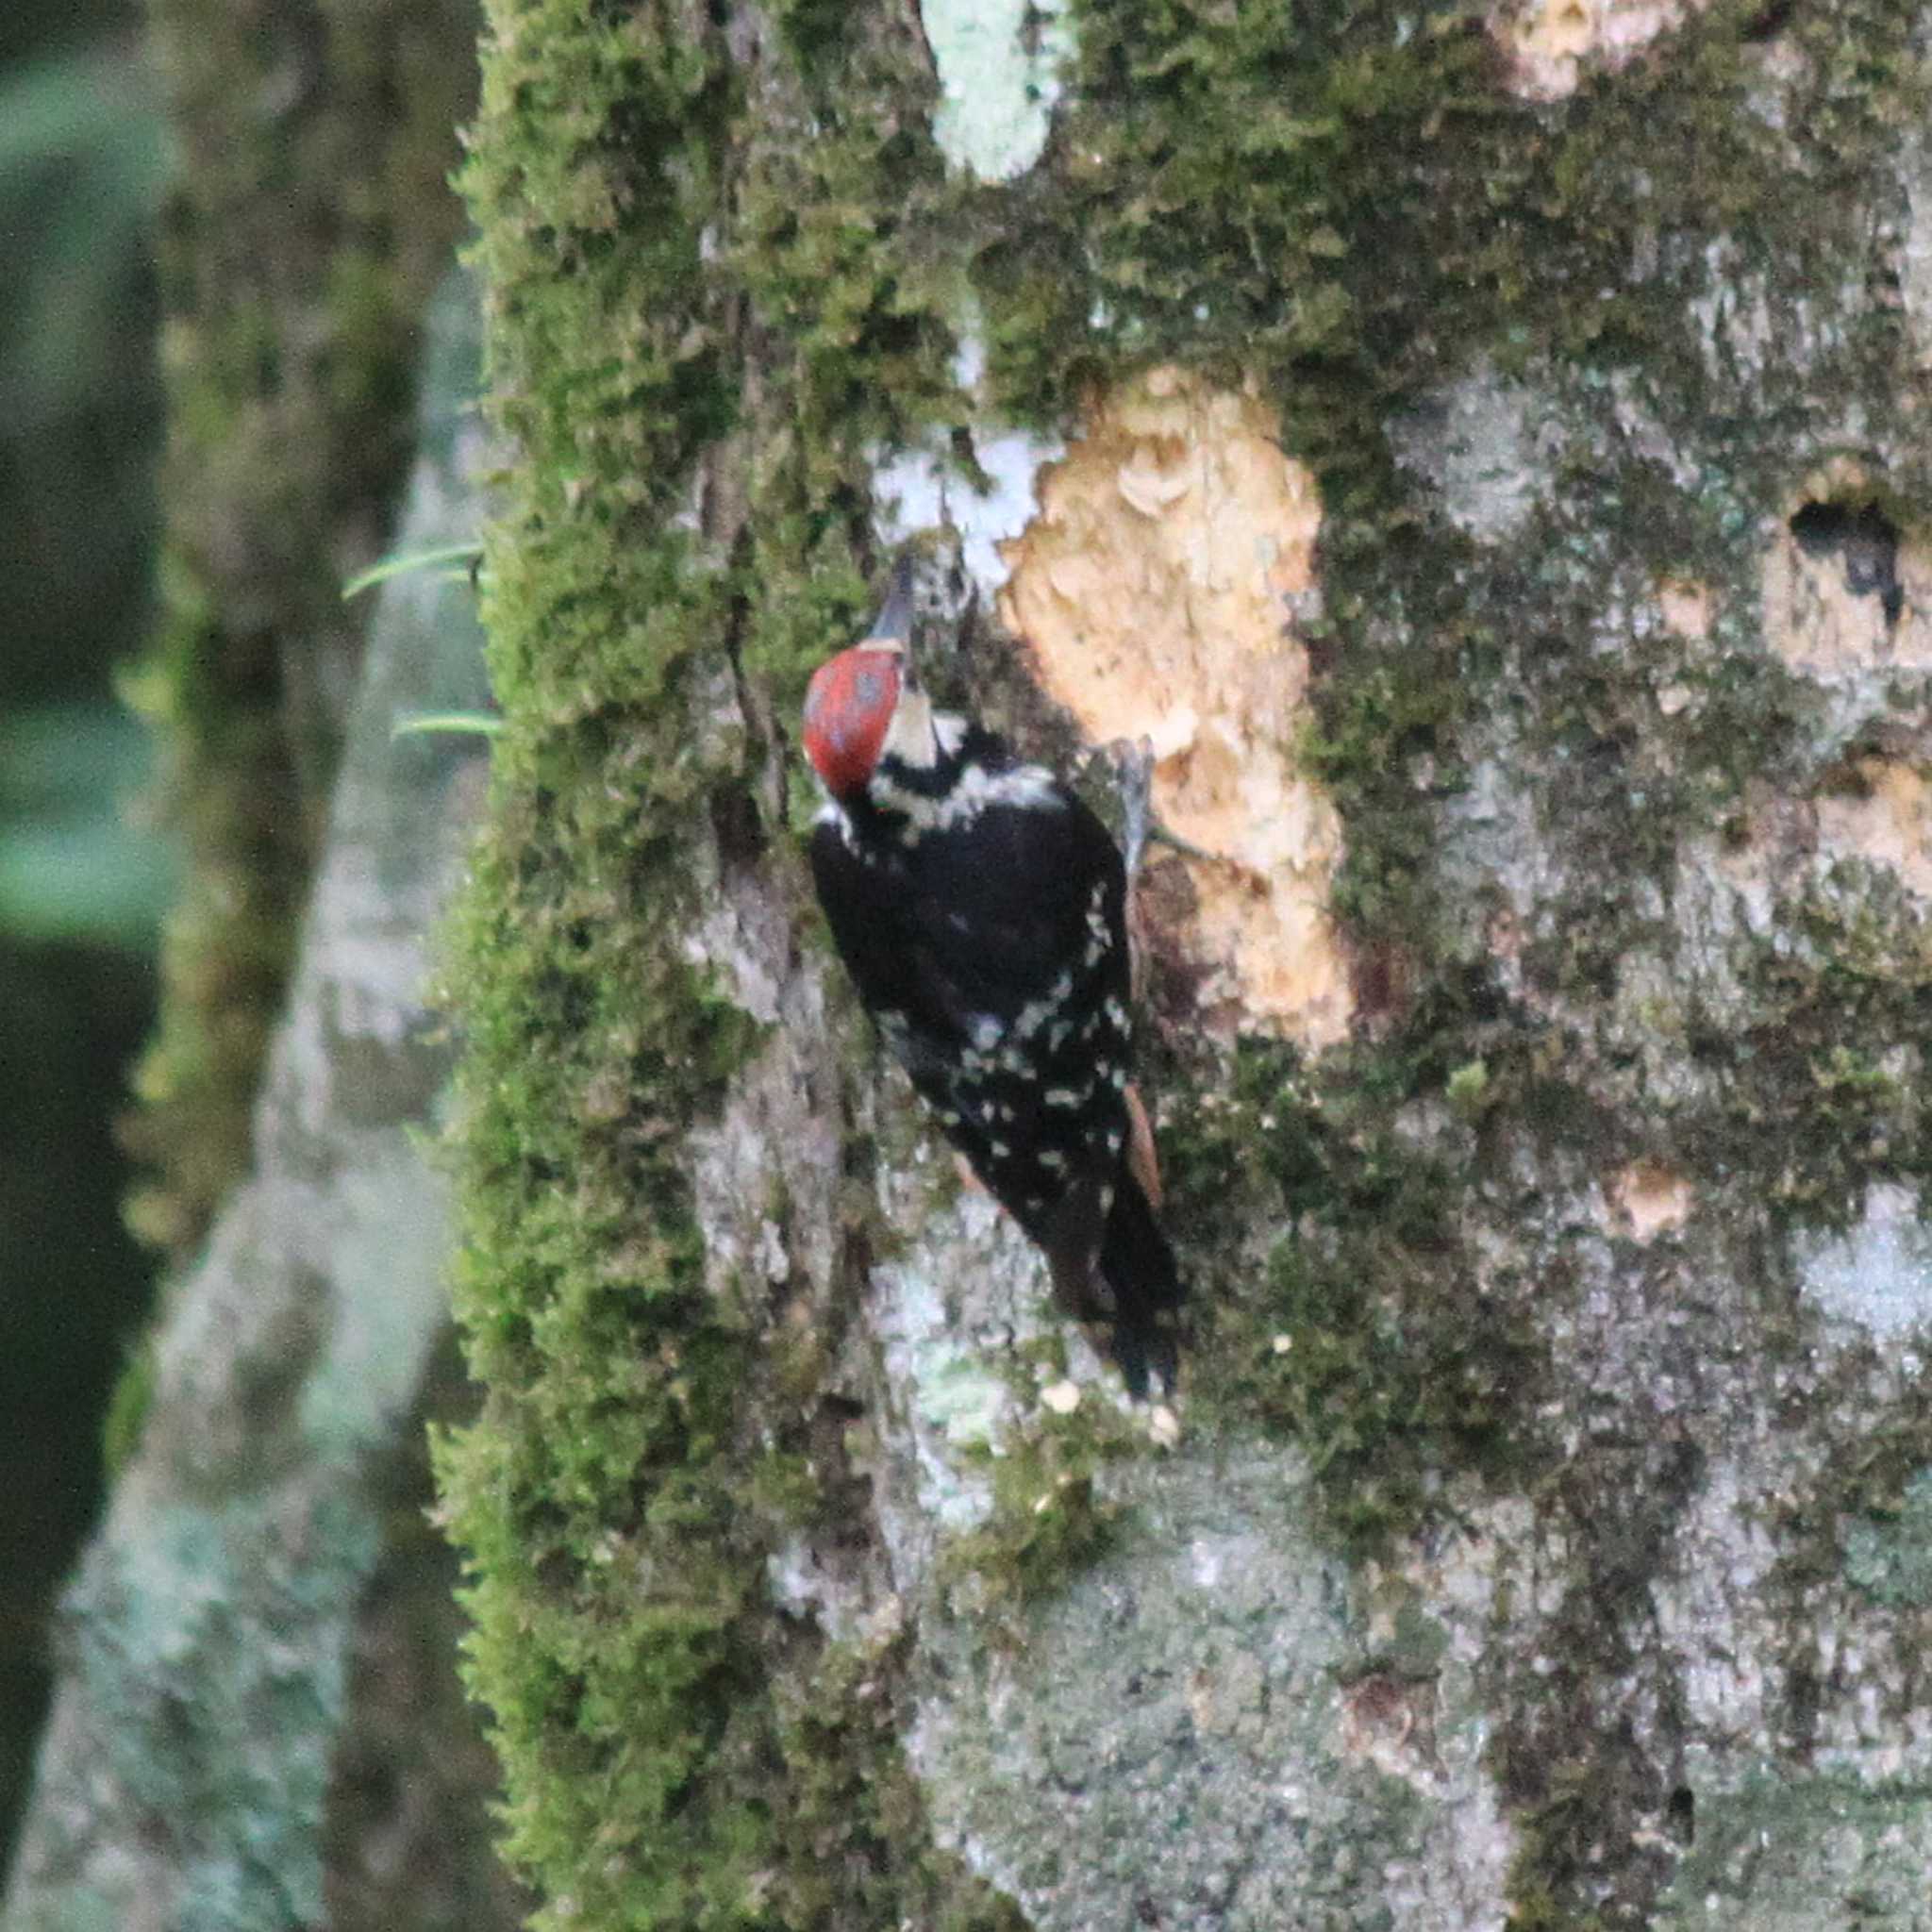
[(87, 881), (398, 565), (455, 724)]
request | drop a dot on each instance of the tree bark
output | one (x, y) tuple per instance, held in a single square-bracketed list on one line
[(1485, 457)]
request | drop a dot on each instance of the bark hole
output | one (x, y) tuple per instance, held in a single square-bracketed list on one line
[(1682, 1814), (1768, 22), (1864, 540)]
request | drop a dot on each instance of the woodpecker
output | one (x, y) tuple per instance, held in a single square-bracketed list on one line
[(979, 906)]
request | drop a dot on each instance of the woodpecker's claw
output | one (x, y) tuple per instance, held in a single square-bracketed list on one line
[(1134, 777), (1133, 765), (1159, 834)]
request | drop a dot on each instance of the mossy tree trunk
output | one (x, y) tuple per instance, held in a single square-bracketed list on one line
[(307, 227), (1486, 457)]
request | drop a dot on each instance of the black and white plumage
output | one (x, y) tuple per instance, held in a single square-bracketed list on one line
[(980, 907)]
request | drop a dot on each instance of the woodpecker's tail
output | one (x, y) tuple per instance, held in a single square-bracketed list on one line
[(1144, 1287)]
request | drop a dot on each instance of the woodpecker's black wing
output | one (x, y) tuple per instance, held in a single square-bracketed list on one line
[(990, 947)]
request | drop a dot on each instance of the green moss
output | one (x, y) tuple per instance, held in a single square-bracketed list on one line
[(855, 1808), (615, 1586), (127, 1408), (1857, 1528), (860, 297), (1819, 1118), (1369, 1339), (1576, 1784), (1889, 1557), (1467, 1089), (1394, 714), (1051, 1514)]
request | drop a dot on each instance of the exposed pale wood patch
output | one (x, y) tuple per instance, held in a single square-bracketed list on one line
[(1648, 1200), (1156, 589)]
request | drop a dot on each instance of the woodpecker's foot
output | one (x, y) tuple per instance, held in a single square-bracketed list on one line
[(1133, 776), (1159, 834), (1133, 765)]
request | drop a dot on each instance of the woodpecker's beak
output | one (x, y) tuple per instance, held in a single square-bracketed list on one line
[(893, 625)]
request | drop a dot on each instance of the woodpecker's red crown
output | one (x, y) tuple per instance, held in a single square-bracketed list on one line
[(848, 711)]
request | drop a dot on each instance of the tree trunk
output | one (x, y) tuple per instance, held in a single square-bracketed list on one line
[(256, 1724), (1484, 457), (307, 227)]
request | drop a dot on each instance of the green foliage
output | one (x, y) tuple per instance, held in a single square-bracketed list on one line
[(72, 867), (447, 723), (81, 166), (469, 555), (80, 889), (127, 1409)]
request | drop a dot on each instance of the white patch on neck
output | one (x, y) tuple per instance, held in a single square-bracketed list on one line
[(912, 736), (1028, 788)]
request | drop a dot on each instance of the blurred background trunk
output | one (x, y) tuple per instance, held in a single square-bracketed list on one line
[(295, 160)]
